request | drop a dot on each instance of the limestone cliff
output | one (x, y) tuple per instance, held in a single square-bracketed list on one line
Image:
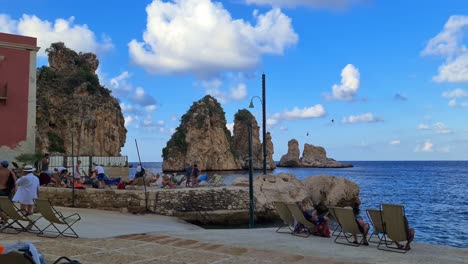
[(240, 140), (202, 138), (72, 102), (312, 156)]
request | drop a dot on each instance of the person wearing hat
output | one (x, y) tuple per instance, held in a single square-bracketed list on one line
[(7, 179), (28, 189)]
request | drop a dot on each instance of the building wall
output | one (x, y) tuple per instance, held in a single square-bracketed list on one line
[(18, 111)]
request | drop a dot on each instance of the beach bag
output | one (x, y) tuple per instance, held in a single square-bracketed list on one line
[(80, 186), (121, 186)]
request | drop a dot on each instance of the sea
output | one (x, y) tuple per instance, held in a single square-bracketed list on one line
[(434, 193)]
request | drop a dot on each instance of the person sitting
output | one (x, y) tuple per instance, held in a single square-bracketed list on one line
[(166, 181), (140, 172), (410, 235), (316, 215), (363, 226), (63, 175)]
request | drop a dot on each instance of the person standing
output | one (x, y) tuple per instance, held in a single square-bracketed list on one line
[(7, 180), (45, 163), (28, 189), (77, 174), (195, 172), (188, 174)]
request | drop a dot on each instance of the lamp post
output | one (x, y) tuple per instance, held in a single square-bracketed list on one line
[(262, 100), (251, 196)]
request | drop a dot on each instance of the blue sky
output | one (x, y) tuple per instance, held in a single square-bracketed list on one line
[(391, 74)]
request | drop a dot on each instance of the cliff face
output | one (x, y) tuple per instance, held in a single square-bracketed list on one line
[(241, 138), (313, 156), (71, 101), (202, 138)]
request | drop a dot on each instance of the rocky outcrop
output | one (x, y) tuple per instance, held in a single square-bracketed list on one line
[(312, 156), (240, 140), (291, 159), (202, 138), (71, 104), (331, 190)]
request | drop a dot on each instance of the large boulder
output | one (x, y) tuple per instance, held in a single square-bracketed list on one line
[(291, 159), (331, 190), (282, 187)]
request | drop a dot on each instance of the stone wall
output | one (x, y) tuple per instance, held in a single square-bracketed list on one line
[(219, 205)]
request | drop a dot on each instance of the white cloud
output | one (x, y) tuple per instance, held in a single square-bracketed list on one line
[(284, 128), (272, 122), (230, 127), (201, 37), (454, 103), (441, 128), (150, 108), (305, 113), (75, 36), (315, 4), (239, 92), (449, 44), (456, 93), (395, 142), (130, 120), (426, 147), (142, 98), (350, 81), (364, 118), (423, 127)]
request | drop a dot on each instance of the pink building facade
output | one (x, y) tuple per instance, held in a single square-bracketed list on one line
[(17, 95)]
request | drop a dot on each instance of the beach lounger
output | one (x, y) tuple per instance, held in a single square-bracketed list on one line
[(299, 217), (216, 180), (286, 217), (376, 220), (55, 217), (394, 227), (16, 216), (348, 224), (337, 227)]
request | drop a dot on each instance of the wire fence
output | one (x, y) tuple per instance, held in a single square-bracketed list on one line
[(86, 162)]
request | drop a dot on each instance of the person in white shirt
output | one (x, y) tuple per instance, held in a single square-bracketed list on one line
[(77, 173), (28, 189), (101, 176)]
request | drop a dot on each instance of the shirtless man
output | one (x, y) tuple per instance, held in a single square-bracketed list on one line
[(4, 175), (4, 190)]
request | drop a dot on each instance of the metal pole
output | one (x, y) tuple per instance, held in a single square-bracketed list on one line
[(73, 173), (144, 176), (264, 124), (251, 197)]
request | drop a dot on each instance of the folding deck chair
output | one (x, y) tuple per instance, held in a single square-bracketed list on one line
[(394, 226), (376, 219), (55, 217), (286, 217), (299, 217), (337, 228), (348, 224), (16, 216)]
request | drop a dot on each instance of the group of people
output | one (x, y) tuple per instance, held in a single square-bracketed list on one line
[(22, 187), (317, 215), (191, 174)]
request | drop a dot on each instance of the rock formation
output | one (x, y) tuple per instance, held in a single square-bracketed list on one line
[(240, 140), (291, 159), (311, 157), (71, 102), (331, 190), (202, 138)]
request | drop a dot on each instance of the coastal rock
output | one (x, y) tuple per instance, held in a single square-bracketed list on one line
[(202, 138), (291, 159), (240, 182), (313, 156), (282, 187), (240, 140), (72, 104), (331, 190)]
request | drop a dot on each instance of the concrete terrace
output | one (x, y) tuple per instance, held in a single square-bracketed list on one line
[(113, 237)]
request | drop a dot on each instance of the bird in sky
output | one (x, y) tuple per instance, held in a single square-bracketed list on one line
[(307, 134)]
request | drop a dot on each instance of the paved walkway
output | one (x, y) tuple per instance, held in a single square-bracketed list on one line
[(112, 237)]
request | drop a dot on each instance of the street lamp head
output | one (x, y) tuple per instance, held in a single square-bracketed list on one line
[(251, 105)]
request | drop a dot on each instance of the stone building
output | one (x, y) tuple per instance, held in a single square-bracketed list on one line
[(17, 95)]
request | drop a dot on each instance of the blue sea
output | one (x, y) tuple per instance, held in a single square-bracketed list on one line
[(434, 193)]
